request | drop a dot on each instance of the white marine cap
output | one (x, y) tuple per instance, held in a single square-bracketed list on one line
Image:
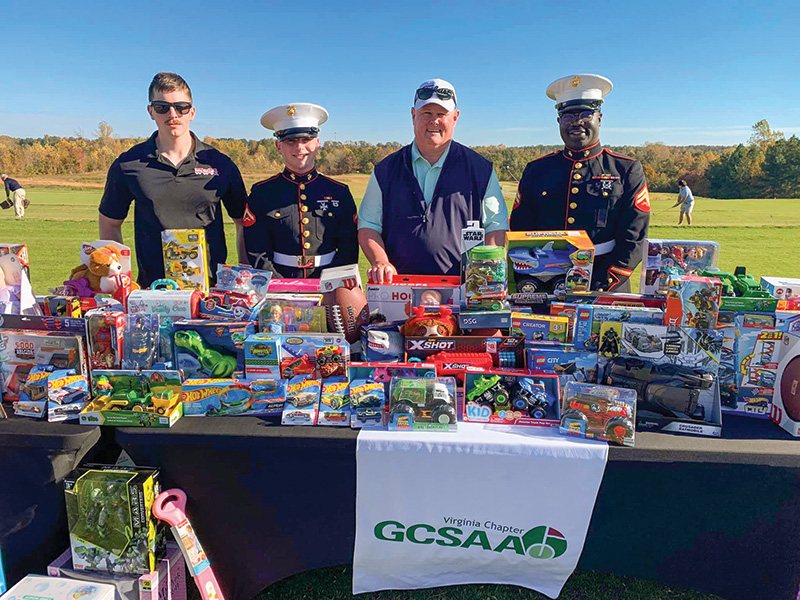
[(298, 120), (583, 91), (436, 87)]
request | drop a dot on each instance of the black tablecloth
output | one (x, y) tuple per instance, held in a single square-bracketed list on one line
[(719, 516), (35, 456)]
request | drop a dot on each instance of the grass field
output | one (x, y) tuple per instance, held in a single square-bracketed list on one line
[(760, 234)]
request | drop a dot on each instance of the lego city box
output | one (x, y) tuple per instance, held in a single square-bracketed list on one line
[(665, 260), (422, 404), (210, 349), (394, 301), (568, 362), (186, 258), (512, 398), (599, 412), (110, 519), (549, 262), (128, 398)]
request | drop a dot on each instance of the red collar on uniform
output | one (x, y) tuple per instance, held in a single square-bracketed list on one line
[(585, 154), (297, 178)]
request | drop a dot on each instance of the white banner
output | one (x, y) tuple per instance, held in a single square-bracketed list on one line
[(489, 504)]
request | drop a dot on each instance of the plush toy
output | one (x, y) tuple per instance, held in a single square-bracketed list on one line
[(422, 324), (104, 271)]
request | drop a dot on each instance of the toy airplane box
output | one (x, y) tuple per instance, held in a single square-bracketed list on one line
[(549, 262), (58, 588), (128, 398), (186, 258), (665, 260), (394, 301)]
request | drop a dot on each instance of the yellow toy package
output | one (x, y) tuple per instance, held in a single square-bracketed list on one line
[(186, 258)]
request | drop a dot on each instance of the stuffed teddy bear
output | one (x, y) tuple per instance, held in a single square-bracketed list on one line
[(104, 271)]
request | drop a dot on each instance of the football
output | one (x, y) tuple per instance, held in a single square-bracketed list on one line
[(347, 311)]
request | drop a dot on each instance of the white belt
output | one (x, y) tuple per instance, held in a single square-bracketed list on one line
[(300, 262), (604, 248)]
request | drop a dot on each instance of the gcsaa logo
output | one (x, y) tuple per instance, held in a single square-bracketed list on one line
[(541, 542)]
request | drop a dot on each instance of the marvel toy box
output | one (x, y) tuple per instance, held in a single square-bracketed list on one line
[(186, 258)]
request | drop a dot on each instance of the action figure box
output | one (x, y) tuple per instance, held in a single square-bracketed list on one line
[(599, 412), (507, 398), (142, 335), (105, 336), (127, 398), (485, 278), (110, 518), (334, 402), (673, 371), (186, 258), (549, 261), (589, 320), (422, 404), (58, 395), (261, 355), (394, 301), (169, 303), (665, 260), (368, 404), (693, 302), (542, 329), (167, 582), (210, 349), (57, 588), (302, 401), (785, 410), (569, 363), (317, 354)]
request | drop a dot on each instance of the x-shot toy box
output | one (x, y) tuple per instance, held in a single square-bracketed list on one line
[(334, 402), (600, 412), (110, 517), (540, 328), (665, 260), (693, 302), (393, 301), (512, 398), (261, 355), (505, 352), (549, 261), (302, 401), (422, 404), (368, 404), (58, 395), (186, 257), (210, 349), (128, 398)]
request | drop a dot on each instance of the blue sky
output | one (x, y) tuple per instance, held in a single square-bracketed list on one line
[(684, 72)]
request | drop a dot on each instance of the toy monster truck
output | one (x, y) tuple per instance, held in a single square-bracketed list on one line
[(607, 418), (424, 400)]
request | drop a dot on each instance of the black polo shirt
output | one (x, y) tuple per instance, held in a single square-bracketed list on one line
[(169, 197)]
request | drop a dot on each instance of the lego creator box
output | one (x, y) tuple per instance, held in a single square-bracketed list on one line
[(422, 404), (186, 257), (567, 362), (600, 412), (665, 260), (134, 399), (589, 320), (512, 398), (210, 349), (111, 525), (693, 302), (549, 261), (58, 588), (394, 301), (261, 356), (540, 328)]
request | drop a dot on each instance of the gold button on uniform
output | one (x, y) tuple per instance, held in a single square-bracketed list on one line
[(571, 220), (307, 245), (306, 233), (302, 186), (304, 208), (302, 196), (605, 193), (574, 190), (544, 193), (305, 221), (578, 165), (277, 214), (330, 214), (576, 176), (573, 205)]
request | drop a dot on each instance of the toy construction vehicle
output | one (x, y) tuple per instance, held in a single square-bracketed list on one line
[(741, 291)]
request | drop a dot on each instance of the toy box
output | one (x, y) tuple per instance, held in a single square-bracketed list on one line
[(105, 336), (589, 320), (393, 301), (540, 328), (269, 396), (422, 404), (665, 260), (186, 257), (781, 288), (19, 252), (229, 306), (485, 278), (505, 351), (169, 303), (471, 236), (549, 261), (216, 397), (61, 306), (384, 372), (368, 404), (600, 412), (474, 322), (334, 404), (302, 401), (785, 410), (242, 280), (527, 398), (58, 588), (59, 395), (283, 316), (16, 293), (741, 292), (693, 302), (214, 349), (261, 355), (134, 398), (569, 363), (111, 526), (346, 276), (141, 335), (167, 582), (318, 354)]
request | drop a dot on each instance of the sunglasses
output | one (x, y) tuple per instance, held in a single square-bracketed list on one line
[(441, 93), (162, 108), (573, 117)]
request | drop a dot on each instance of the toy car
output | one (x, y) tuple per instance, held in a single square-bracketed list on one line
[(330, 361), (175, 251), (490, 391), (299, 415), (368, 401), (296, 366), (335, 416), (301, 399), (640, 340), (541, 268), (261, 350), (423, 399), (530, 396), (610, 419), (370, 415)]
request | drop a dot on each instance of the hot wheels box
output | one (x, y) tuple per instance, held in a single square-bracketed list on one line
[(422, 404), (600, 412), (302, 401), (528, 398), (59, 395), (186, 257), (393, 302), (318, 354), (169, 303), (134, 398), (217, 397), (549, 261), (111, 525), (540, 328), (334, 404), (214, 349), (665, 260), (368, 404)]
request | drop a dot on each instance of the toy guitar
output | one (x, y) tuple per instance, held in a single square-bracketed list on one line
[(169, 506)]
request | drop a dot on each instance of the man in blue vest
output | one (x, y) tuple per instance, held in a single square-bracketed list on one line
[(419, 198)]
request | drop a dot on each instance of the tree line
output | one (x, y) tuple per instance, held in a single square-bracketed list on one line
[(768, 165)]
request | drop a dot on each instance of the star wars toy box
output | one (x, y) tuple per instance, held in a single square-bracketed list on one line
[(785, 409), (368, 404), (394, 301), (105, 336), (167, 582), (569, 363), (261, 356), (693, 302), (541, 329), (21, 350), (334, 403), (673, 371), (589, 320), (422, 404), (599, 412), (472, 235), (169, 303), (302, 401), (665, 260), (58, 588), (548, 262), (59, 395), (110, 517), (210, 349), (512, 398), (313, 354), (186, 258), (127, 398)]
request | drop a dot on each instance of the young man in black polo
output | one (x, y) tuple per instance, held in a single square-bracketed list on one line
[(177, 181)]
